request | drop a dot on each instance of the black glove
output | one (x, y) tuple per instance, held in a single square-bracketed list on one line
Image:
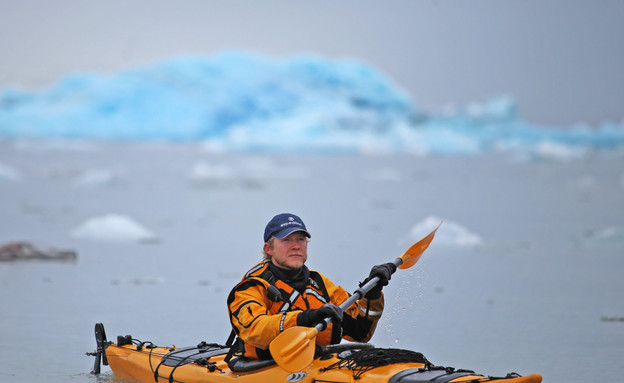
[(384, 272), (309, 318)]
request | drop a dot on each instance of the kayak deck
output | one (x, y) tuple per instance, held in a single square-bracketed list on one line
[(144, 362)]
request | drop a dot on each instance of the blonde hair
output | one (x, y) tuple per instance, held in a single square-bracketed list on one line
[(266, 256)]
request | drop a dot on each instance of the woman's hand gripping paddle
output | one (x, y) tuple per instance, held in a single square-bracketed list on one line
[(293, 349)]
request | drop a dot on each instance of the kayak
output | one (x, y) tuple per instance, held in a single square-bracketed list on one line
[(297, 357), (144, 362)]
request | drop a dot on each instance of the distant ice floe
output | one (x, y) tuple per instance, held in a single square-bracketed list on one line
[(262, 168), (450, 233), (204, 173), (94, 178), (10, 173), (550, 150), (609, 238), (114, 228), (248, 172)]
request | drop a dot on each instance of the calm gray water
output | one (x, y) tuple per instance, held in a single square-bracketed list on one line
[(543, 293)]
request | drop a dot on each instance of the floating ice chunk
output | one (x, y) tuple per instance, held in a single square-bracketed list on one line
[(502, 108), (450, 234), (260, 166), (266, 168), (293, 104), (551, 150), (212, 146), (608, 238), (94, 178), (205, 173), (9, 172), (114, 228)]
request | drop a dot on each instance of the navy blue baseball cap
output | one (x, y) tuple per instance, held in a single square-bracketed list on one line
[(282, 225)]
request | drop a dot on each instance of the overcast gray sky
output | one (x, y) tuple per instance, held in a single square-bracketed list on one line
[(561, 59)]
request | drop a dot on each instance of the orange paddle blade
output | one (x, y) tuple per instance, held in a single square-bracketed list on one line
[(413, 254), (293, 350)]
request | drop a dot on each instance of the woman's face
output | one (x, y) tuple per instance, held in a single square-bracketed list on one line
[(290, 252)]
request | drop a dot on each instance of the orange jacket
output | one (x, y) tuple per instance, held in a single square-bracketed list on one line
[(257, 320)]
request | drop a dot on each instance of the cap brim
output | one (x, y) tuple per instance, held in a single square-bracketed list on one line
[(286, 232)]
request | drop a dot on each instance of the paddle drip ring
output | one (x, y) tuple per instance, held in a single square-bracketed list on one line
[(362, 361)]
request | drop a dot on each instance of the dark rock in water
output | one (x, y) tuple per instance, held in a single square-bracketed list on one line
[(612, 319), (25, 251)]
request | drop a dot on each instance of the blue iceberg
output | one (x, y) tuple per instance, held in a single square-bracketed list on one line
[(240, 101)]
